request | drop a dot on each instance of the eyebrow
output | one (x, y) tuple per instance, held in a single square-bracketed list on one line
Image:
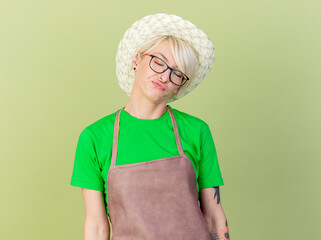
[(165, 58)]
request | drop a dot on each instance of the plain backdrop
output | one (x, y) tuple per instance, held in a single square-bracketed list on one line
[(261, 101)]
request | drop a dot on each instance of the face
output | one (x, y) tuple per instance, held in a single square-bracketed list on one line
[(156, 87)]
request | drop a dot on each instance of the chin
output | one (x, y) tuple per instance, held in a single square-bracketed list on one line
[(157, 98), (156, 95)]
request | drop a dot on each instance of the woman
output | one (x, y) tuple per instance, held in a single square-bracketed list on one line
[(152, 168)]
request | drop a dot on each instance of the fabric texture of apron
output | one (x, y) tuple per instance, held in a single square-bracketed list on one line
[(154, 200)]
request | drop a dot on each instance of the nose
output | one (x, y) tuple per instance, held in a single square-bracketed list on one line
[(164, 77)]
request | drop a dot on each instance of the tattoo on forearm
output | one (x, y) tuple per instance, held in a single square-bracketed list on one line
[(214, 236), (223, 235), (224, 232), (217, 194)]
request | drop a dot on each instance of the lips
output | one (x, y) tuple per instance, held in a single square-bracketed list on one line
[(158, 85)]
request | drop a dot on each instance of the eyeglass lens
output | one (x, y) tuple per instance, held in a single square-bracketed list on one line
[(160, 66)]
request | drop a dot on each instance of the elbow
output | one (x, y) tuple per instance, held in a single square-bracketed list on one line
[(214, 219), (96, 230), (103, 232)]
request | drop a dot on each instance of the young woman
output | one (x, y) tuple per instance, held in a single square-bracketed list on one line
[(152, 168)]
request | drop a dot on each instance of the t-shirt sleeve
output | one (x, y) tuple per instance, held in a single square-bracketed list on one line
[(209, 169), (86, 171)]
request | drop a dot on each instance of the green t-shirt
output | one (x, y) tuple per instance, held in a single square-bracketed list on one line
[(143, 140)]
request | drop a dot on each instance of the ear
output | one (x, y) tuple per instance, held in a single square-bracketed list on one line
[(136, 60)]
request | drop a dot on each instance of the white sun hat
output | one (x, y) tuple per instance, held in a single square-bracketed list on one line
[(163, 24)]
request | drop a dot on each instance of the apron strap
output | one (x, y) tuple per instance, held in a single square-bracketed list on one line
[(178, 140), (115, 139), (116, 132)]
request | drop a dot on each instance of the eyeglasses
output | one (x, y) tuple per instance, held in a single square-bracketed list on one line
[(159, 66)]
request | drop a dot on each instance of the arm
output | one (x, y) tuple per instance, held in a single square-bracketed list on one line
[(96, 225), (212, 210)]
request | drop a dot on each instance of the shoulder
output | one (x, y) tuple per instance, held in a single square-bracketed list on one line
[(189, 121), (101, 127)]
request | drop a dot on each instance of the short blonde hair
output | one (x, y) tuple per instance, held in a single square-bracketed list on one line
[(184, 54)]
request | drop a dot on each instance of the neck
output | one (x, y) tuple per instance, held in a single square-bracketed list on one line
[(144, 109)]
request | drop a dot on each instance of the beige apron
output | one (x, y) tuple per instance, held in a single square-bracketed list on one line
[(154, 200)]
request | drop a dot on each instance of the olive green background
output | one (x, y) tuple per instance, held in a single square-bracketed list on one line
[(261, 100)]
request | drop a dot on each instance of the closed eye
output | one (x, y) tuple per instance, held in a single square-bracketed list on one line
[(178, 74)]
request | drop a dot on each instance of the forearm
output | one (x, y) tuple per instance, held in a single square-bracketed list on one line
[(219, 229), (95, 231)]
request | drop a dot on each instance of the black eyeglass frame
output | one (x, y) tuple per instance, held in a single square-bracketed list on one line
[(168, 67)]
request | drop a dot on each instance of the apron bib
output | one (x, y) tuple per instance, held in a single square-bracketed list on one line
[(154, 200)]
